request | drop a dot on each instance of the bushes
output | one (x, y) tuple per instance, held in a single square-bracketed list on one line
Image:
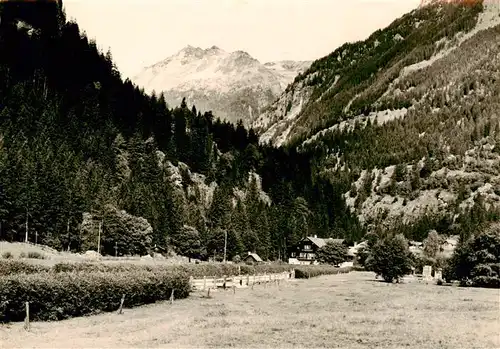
[(56, 296), (194, 270), (332, 253), (266, 268), (486, 282), (69, 290), (10, 267), (390, 258), (309, 271), (477, 261)]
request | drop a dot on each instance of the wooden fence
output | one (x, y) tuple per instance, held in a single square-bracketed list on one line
[(239, 281)]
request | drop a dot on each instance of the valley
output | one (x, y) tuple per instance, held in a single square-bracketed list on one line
[(371, 174)]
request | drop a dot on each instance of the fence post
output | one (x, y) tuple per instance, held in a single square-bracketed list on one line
[(239, 269), (224, 284), (204, 283), (248, 279), (27, 319), (191, 282), (121, 305), (172, 296)]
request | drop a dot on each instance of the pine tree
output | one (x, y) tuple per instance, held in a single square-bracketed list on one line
[(240, 224), (298, 222), (180, 134), (188, 242), (264, 235), (219, 214)]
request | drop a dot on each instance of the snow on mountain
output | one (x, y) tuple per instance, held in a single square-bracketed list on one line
[(234, 85), (287, 70)]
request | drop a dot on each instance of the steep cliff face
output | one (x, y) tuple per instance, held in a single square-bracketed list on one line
[(275, 123), (406, 194), (234, 85)]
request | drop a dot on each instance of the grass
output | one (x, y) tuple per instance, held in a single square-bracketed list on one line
[(7, 255), (32, 255), (18, 250), (337, 311)]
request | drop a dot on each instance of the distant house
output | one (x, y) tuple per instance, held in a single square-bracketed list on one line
[(449, 245), (252, 258), (304, 252), (353, 250)]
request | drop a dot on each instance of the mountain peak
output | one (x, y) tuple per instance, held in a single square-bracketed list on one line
[(198, 52), (234, 85), (190, 50)]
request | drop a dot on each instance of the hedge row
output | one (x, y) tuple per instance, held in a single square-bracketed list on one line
[(309, 271), (56, 296), (10, 267), (482, 281), (196, 270)]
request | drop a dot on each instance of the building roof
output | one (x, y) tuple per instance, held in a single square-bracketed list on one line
[(353, 251), (320, 242), (255, 256)]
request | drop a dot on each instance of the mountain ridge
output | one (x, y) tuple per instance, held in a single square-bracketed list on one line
[(234, 85), (406, 118), (313, 86)]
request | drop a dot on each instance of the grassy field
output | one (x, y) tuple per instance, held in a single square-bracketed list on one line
[(339, 311), (50, 257)]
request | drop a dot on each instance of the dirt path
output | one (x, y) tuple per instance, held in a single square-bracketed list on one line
[(348, 310)]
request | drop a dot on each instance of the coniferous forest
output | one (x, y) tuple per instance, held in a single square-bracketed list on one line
[(78, 141)]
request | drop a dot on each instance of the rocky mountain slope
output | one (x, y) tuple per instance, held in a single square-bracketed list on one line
[(233, 85), (420, 96)]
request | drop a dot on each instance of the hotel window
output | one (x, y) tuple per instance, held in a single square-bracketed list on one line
[(307, 247)]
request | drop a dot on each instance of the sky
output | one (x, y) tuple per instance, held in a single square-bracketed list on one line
[(143, 32)]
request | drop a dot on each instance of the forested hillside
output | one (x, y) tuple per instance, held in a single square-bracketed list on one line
[(409, 118), (80, 147)]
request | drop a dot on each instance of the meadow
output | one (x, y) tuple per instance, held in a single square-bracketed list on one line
[(336, 311)]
